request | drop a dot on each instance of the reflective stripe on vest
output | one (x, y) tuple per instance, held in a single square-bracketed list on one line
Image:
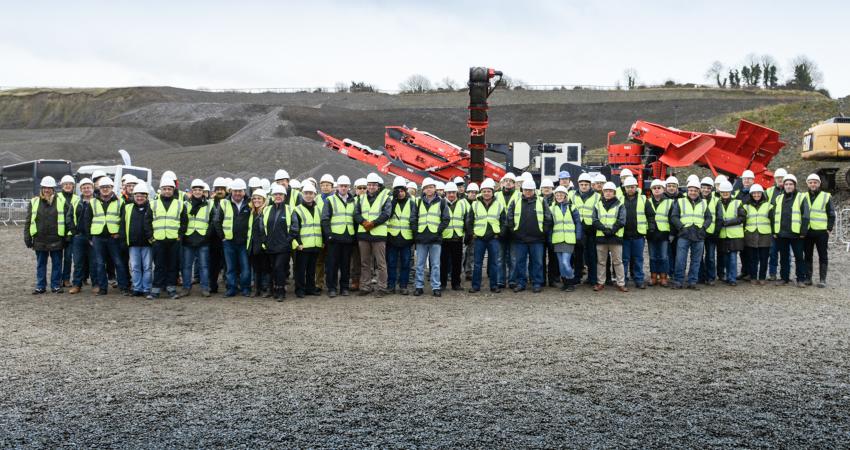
[(712, 210), (60, 215), (564, 230), (199, 223), (818, 220), (111, 218), (342, 215), (608, 217), (500, 197), (796, 213), (538, 209), (758, 219), (429, 217), (399, 222), (641, 214), (487, 216), (690, 214), (372, 211), (227, 222), (166, 222), (585, 207), (662, 214), (311, 226), (730, 212), (455, 227)]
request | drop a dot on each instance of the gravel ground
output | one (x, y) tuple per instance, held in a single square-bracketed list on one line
[(731, 367)]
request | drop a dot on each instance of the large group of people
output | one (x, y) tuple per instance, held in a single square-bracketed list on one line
[(266, 236)]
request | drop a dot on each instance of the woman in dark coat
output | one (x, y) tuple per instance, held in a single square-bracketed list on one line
[(47, 232)]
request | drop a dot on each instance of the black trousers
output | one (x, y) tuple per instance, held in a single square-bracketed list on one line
[(451, 258), (280, 269), (166, 257), (819, 240), (787, 246), (305, 271), (552, 269), (216, 264), (757, 257), (338, 265)]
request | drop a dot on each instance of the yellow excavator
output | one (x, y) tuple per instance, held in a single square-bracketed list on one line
[(830, 141)]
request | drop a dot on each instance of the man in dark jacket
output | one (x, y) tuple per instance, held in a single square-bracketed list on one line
[(638, 215), (231, 226), (487, 222), (196, 244), (81, 241), (338, 231), (428, 219), (609, 220), (48, 226), (219, 194), (137, 234), (280, 226), (399, 238), (691, 218), (371, 212), (821, 223), (529, 220), (790, 228), (106, 241), (168, 229), (451, 255)]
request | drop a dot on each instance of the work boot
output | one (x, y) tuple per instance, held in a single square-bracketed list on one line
[(355, 285), (622, 289), (474, 291), (564, 285), (598, 287), (205, 293), (536, 289), (664, 282), (404, 291), (185, 292), (496, 290), (344, 293), (436, 293), (418, 292), (331, 293), (95, 290), (693, 287), (363, 292), (808, 282), (652, 279), (74, 290)]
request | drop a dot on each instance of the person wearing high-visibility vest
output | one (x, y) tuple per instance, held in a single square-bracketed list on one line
[(672, 192), (486, 221), (371, 213), (428, 219), (551, 272), (68, 184), (638, 216), (790, 226), (658, 234), (277, 230), (451, 255), (821, 223), (584, 255), (81, 240), (621, 191), (231, 224), (691, 219), (506, 196), (730, 217), (308, 242), (261, 269), (47, 230), (529, 221), (219, 194), (137, 233), (106, 241), (399, 238), (566, 232), (168, 229), (412, 190), (326, 185), (196, 243), (339, 232), (609, 219), (758, 233), (771, 193), (358, 192), (712, 260), (470, 195)]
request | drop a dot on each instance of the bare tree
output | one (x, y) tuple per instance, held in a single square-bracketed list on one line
[(631, 77), (807, 74), (511, 83), (448, 84), (416, 84), (340, 87), (715, 72)]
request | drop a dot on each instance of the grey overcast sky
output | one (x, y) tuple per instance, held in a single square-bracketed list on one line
[(256, 44)]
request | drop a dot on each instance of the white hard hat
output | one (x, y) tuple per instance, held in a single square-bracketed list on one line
[(105, 181), (197, 183), (725, 186), (626, 173), (411, 185), (814, 177), (343, 179), (86, 181), (451, 187), (428, 182), (693, 183), (266, 184), (67, 179), (756, 188), (130, 179), (458, 180), (440, 185), (748, 174), (630, 181), (141, 188), (98, 174), (254, 182), (327, 178), (259, 193), (281, 175), (206, 186), (488, 184), (228, 180), (720, 178), (780, 173), (656, 182), (278, 189), (308, 187), (528, 184), (238, 185), (166, 182), (125, 177), (791, 177), (585, 177), (561, 189), (48, 182), (399, 182), (473, 187), (374, 178), (707, 181), (672, 180), (169, 174), (692, 177), (295, 184), (547, 183), (219, 182), (609, 186), (599, 178), (509, 176), (360, 182)]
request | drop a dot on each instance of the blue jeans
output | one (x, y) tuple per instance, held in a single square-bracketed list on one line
[(494, 262), (731, 264), (658, 262), (523, 251), (633, 255), (236, 259), (590, 254), (109, 248), (84, 262), (508, 263), (398, 266), (200, 257), (41, 269), (708, 270), (141, 269), (682, 247), (564, 265), (67, 259), (430, 253)]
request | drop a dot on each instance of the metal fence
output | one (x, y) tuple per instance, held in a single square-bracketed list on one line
[(13, 211)]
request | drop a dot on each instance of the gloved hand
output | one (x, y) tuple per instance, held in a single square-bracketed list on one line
[(28, 242)]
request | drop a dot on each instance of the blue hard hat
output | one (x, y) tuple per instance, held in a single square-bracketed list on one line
[(563, 174)]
